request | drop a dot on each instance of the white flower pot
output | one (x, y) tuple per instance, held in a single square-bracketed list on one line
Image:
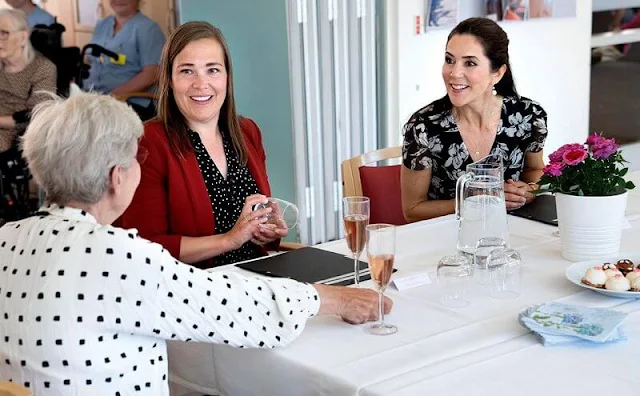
[(590, 227)]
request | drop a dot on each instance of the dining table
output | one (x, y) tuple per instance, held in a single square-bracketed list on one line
[(481, 349)]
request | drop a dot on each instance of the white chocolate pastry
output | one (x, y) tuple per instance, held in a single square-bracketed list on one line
[(617, 283), (611, 272), (635, 285), (595, 277), (633, 275)]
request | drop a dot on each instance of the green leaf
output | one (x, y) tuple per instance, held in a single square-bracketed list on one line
[(629, 185), (623, 171)]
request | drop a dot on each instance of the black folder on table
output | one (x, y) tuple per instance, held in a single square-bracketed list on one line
[(542, 209), (309, 265)]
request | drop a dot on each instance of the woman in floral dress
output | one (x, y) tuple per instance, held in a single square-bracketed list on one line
[(482, 114)]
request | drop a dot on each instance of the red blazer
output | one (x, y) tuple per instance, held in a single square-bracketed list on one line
[(172, 199)]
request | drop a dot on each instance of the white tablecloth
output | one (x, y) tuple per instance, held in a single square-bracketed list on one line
[(481, 349)]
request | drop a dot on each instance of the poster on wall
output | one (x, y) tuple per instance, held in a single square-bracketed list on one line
[(515, 10), (494, 10), (540, 9), (442, 14)]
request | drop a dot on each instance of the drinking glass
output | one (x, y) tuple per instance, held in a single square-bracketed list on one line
[(505, 273), (381, 248), (283, 214), (356, 219), (484, 247), (455, 275)]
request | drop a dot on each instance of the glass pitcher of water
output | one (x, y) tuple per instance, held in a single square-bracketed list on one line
[(480, 204)]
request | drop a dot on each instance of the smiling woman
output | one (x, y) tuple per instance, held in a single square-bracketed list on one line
[(481, 114), (206, 166)]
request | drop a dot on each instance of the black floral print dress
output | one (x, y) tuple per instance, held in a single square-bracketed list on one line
[(432, 140)]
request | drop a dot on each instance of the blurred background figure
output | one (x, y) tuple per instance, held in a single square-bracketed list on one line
[(24, 75), (35, 14), (138, 41)]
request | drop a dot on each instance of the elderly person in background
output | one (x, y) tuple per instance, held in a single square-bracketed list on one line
[(87, 307), (35, 14), (24, 74), (207, 165), (138, 42)]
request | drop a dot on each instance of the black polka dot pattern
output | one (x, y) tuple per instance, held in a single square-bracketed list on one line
[(227, 195), (88, 311)]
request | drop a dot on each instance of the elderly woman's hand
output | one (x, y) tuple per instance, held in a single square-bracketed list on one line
[(353, 305), (517, 193)]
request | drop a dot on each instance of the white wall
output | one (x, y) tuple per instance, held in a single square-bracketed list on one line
[(550, 60)]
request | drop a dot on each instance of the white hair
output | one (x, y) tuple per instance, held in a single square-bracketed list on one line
[(71, 145), (19, 21)]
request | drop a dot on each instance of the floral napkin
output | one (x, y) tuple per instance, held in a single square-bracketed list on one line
[(559, 324)]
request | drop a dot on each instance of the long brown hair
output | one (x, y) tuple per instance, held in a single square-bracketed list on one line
[(169, 114)]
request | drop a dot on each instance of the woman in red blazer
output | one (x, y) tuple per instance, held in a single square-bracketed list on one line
[(205, 167)]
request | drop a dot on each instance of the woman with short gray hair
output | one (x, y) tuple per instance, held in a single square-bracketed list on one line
[(24, 74), (87, 307), (74, 146)]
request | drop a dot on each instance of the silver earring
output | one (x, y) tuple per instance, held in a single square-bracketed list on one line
[(493, 91)]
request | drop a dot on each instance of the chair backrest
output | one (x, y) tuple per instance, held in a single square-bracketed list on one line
[(11, 389), (380, 183)]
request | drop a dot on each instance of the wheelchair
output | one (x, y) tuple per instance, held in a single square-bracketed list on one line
[(15, 200)]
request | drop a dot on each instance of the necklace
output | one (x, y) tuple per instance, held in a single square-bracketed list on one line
[(478, 141)]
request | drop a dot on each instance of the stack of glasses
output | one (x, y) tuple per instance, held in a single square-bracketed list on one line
[(561, 324)]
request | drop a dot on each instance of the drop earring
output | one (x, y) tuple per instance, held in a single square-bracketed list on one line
[(493, 91)]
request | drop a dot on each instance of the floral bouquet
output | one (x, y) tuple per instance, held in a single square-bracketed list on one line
[(595, 168)]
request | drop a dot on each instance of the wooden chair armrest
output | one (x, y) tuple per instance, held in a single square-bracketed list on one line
[(10, 389), (286, 246), (127, 96)]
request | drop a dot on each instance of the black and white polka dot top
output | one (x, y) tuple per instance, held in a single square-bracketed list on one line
[(227, 195), (86, 309)]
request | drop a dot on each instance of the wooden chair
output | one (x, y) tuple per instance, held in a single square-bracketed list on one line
[(380, 183), (144, 113), (12, 389), (127, 96)]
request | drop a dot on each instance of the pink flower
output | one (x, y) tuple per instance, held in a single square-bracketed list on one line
[(554, 169), (604, 149), (574, 156), (558, 155), (594, 138), (601, 147)]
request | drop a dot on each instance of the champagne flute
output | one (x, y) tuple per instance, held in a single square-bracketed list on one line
[(356, 219), (381, 249)]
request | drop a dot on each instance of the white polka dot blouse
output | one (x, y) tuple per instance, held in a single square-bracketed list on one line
[(86, 309)]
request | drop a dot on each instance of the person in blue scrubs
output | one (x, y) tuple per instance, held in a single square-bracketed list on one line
[(35, 14), (138, 41)]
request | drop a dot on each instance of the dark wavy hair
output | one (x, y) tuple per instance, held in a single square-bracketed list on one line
[(495, 43)]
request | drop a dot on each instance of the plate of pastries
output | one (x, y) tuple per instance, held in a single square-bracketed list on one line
[(619, 279)]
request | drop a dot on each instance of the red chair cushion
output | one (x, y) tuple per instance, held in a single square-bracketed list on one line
[(382, 185)]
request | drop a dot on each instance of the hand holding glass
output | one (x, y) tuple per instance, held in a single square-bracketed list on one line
[(283, 214), (381, 248), (356, 219)]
